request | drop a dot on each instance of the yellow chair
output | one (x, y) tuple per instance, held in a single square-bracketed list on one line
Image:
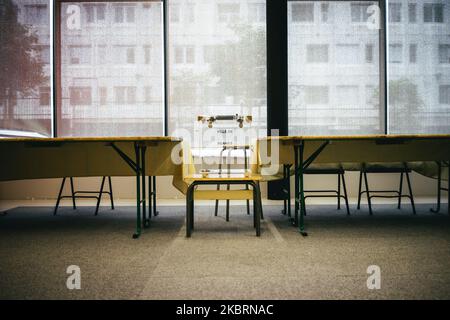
[(187, 180)]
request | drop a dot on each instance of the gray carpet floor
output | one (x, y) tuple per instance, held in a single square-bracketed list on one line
[(224, 260)]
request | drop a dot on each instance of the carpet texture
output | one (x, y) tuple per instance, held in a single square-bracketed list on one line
[(225, 260)]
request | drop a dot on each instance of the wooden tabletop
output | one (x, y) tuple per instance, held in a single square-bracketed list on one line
[(359, 137), (222, 177), (94, 139)]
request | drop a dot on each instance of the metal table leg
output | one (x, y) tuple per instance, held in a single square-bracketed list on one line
[(301, 226), (155, 212), (296, 179), (189, 209), (59, 196), (145, 220), (438, 206), (138, 191), (257, 207)]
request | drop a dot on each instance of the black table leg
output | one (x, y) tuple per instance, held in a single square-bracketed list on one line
[(301, 225), (145, 220), (296, 179), (448, 188), (155, 212), (138, 191), (257, 207)]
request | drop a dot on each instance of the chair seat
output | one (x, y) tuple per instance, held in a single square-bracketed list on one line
[(222, 177), (385, 167), (324, 168), (223, 195), (429, 169)]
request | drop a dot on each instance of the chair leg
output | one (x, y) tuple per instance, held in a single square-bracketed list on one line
[(367, 191), (411, 197), (339, 192), (188, 213), (111, 193), (284, 211), (228, 201), (439, 181), (400, 190), (359, 190), (257, 208), (448, 189), (192, 211), (99, 198), (216, 208), (150, 198), (59, 196), (261, 214), (228, 207), (345, 194), (155, 212), (288, 191), (73, 193)]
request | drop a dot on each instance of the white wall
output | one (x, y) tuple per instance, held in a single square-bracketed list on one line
[(124, 187)]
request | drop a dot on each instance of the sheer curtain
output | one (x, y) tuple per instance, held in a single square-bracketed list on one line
[(111, 69), (419, 67), (333, 68), (217, 61), (25, 95)]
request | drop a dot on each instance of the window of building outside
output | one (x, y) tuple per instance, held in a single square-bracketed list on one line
[(302, 12), (124, 13), (396, 53), (257, 13), (444, 53), (80, 96), (228, 12), (95, 13), (444, 94), (44, 96), (433, 12), (317, 53), (395, 12), (412, 12), (369, 54), (359, 12), (37, 14), (324, 12), (412, 53)]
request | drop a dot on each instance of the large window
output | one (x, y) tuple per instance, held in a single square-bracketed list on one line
[(218, 62), (25, 68), (333, 69), (419, 91), (346, 75), (110, 54)]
